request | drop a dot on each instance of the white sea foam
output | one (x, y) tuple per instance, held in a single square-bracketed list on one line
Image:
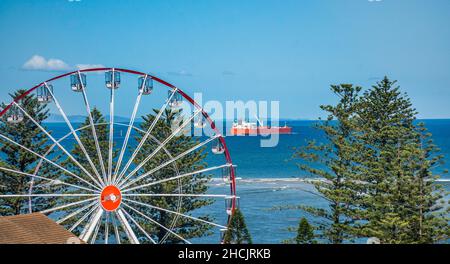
[(293, 180), (270, 180)]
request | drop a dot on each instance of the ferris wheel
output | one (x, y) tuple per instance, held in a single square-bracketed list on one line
[(105, 193)]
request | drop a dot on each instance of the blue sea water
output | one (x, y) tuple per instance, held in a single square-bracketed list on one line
[(270, 179)]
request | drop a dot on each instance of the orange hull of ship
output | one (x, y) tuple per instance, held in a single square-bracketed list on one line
[(261, 131)]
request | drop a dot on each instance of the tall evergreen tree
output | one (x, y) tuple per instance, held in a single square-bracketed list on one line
[(305, 232), (16, 158), (396, 167), (429, 220), (237, 232), (334, 162)]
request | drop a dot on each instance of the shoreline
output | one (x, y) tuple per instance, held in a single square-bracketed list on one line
[(291, 180)]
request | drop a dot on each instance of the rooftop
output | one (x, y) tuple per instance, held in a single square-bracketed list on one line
[(34, 228)]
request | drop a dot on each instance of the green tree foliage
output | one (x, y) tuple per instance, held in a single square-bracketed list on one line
[(16, 158), (237, 232), (429, 219), (196, 184), (305, 232), (334, 162), (401, 201)]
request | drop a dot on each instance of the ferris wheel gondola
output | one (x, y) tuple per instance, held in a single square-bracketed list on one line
[(14, 115), (218, 148), (44, 93), (175, 99), (145, 85), (112, 79), (78, 81)]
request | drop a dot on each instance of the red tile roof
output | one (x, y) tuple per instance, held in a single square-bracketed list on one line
[(33, 228)]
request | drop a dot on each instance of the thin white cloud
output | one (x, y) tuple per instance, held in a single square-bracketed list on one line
[(180, 73), (88, 66), (39, 63)]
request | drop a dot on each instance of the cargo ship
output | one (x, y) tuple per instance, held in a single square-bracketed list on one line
[(247, 128)]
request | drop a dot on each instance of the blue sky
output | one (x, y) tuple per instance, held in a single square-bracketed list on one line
[(289, 51)]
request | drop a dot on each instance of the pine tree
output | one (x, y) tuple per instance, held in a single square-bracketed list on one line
[(305, 232), (196, 184), (334, 161), (429, 222), (16, 158), (237, 232), (400, 195)]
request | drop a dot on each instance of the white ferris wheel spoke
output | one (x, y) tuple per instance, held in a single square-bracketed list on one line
[(174, 178), (91, 121), (49, 161), (75, 135), (173, 212), (155, 222), (111, 128), (57, 143), (90, 227), (139, 227), (67, 217), (66, 206), (162, 145), (126, 226), (77, 223), (48, 179), (130, 127), (97, 228), (116, 229), (145, 137), (168, 162), (107, 227)]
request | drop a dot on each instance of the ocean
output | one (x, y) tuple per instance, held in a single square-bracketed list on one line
[(269, 178)]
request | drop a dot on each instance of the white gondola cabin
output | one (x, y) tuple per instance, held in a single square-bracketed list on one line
[(44, 93), (145, 85), (200, 123), (15, 115), (176, 100), (218, 148), (226, 173), (78, 82), (112, 79), (230, 203)]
